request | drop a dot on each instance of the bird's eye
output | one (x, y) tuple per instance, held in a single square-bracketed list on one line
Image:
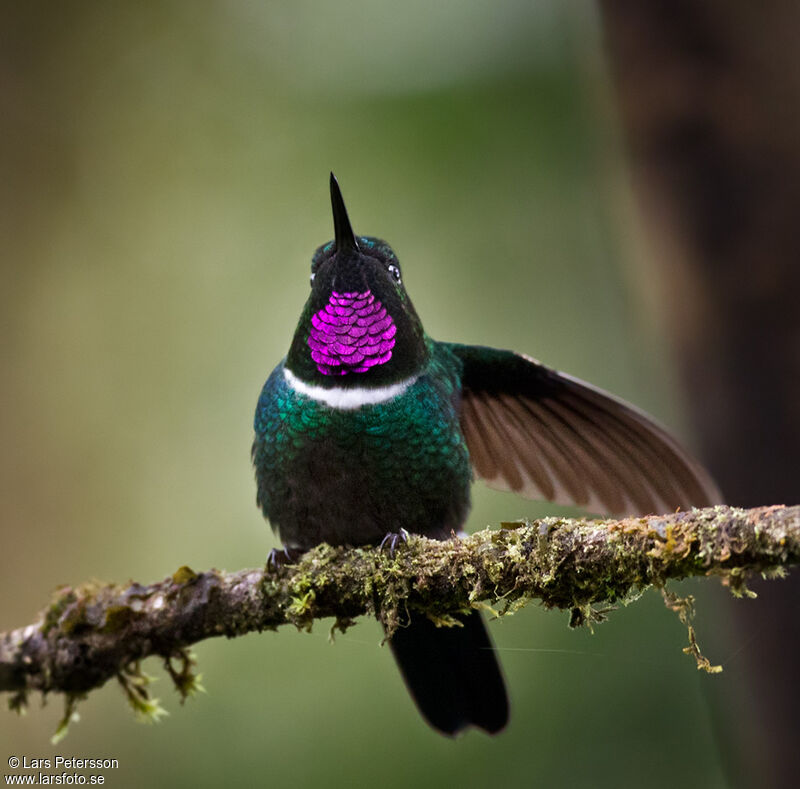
[(311, 278), (394, 271)]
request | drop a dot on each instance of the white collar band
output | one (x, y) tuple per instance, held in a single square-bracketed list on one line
[(347, 399)]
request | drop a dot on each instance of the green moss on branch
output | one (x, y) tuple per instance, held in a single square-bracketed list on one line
[(91, 633)]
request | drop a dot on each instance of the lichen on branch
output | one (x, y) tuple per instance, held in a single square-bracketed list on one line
[(91, 633)]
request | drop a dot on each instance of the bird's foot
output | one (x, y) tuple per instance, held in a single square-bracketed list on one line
[(280, 557), (390, 541)]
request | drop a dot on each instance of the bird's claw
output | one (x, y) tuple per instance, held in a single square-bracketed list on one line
[(390, 541), (280, 557)]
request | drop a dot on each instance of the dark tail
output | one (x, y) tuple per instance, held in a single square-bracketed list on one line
[(452, 674)]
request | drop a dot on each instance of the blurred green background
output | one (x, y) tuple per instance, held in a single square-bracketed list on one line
[(164, 183)]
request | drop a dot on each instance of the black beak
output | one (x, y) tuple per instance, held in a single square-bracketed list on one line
[(343, 232)]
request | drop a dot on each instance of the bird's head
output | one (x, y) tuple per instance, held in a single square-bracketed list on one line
[(358, 327)]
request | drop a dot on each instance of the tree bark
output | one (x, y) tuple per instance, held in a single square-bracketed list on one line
[(709, 97), (92, 633)]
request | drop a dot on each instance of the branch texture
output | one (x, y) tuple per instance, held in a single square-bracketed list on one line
[(91, 633)]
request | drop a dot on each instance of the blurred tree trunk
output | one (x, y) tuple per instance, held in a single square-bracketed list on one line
[(709, 95)]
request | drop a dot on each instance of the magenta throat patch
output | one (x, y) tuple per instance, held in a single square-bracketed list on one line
[(351, 334)]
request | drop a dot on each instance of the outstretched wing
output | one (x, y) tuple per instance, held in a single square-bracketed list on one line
[(546, 435)]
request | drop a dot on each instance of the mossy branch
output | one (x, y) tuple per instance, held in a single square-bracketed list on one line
[(91, 633)]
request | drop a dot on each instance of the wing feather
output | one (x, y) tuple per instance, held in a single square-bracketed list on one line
[(544, 434)]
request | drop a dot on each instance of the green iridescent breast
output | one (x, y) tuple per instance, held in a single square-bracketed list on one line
[(351, 475)]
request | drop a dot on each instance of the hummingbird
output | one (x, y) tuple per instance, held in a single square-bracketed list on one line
[(369, 430)]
